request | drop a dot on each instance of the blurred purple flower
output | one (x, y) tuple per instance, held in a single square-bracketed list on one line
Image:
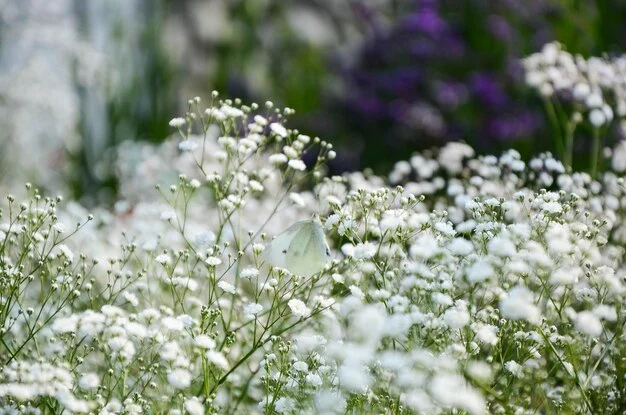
[(487, 90)]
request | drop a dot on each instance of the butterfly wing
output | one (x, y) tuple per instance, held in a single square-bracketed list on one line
[(308, 252), (276, 253)]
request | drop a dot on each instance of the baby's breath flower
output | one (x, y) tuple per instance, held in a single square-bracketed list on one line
[(193, 406), (218, 359), (229, 288), (179, 378), (297, 165), (252, 309), (213, 261), (177, 122), (278, 159), (187, 145), (205, 342), (364, 250), (278, 129), (163, 259), (298, 308), (249, 273)]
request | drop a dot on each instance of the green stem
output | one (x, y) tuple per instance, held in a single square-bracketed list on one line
[(556, 126), (595, 152), (569, 145)]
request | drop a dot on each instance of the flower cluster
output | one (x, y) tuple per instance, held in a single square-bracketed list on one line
[(577, 89), (597, 85), (458, 283)]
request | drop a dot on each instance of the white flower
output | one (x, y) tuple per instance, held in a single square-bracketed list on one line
[(177, 122), (461, 246), (278, 159), (364, 250), (88, 381), (329, 401), (452, 390), (514, 368), (218, 359), (457, 317), (163, 259), (597, 118), (297, 165), (501, 246), (187, 145), (480, 271), (193, 406), (301, 366), (357, 292), (278, 129), (213, 261), (229, 288), (618, 161), (480, 371), (297, 199), (231, 111), (252, 309), (131, 298), (565, 276), (519, 305), (605, 312), (487, 334), (284, 405), (588, 323), (581, 91), (179, 378), (67, 253), (248, 273), (313, 379), (205, 342), (298, 308)]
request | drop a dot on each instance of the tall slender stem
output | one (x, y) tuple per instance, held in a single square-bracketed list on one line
[(595, 152)]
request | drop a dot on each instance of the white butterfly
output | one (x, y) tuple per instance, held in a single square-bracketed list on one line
[(301, 249)]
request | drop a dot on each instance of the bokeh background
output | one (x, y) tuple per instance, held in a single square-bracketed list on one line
[(378, 78)]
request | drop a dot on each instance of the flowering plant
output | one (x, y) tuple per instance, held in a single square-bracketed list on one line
[(579, 92), (459, 283)]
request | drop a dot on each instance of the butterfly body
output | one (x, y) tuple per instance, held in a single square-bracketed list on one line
[(301, 249)]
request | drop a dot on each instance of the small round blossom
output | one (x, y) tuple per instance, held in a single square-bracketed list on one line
[(229, 288), (278, 159), (278, 129), (301, 366), (297, 165), (177, 122), (514, 368), (89, 381), (519, 305), (597, 117), (587, 322), (249, 273), (298, 308), (179, 378), (252, 309), (193, 406), (213, 261), (284, 405), (218, 359), (163, 259), (364, 250), (205, 341)]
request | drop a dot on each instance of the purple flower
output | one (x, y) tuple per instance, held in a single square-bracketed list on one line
[(488, 90)]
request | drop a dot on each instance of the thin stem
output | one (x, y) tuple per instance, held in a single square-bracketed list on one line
[(595, 152), (556, 125)]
